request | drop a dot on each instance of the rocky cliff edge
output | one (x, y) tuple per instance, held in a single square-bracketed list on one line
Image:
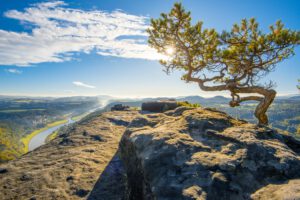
[(180, 154)]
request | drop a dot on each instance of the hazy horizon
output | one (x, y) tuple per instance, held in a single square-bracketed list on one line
[(130, 97)]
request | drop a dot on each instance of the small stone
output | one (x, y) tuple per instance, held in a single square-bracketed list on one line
[(66, 142), (25, 177), (69, 178), (96, 137), (3, 170), (85, 133)]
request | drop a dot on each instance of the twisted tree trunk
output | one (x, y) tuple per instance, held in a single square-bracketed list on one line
[(268, 96), (264, 102), (262, 107)]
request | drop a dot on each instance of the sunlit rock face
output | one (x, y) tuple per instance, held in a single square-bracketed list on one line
[(205, 154)]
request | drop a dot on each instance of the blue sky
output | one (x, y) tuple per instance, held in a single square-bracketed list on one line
[(63, 48)]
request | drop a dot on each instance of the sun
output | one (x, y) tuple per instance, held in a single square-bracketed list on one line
[(170, 51)]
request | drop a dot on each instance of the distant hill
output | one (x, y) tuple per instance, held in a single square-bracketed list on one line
[(205, 101), (296, 98)]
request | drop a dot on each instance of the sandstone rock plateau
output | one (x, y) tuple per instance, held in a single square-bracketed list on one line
[(205, 154), (180, 154)]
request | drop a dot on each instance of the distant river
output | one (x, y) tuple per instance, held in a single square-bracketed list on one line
[(40, 138)]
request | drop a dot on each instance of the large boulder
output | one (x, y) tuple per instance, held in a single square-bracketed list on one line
[(205, 154), (159, 106)]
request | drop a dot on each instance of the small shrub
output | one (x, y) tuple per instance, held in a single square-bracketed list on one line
[(188, 104)]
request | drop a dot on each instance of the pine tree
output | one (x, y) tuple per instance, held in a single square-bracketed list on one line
[(234, 60)]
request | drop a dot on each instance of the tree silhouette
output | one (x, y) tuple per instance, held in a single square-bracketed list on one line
[(234, 60)]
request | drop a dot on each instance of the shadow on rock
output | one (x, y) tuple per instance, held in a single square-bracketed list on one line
[(112, 182)]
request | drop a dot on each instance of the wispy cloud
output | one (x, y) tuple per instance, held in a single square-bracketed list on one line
[(14, 71), (81, 84), (58, 32), (69, 91)]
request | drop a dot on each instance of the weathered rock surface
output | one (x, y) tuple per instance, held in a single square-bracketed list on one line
[(180, 154), (205, 154)]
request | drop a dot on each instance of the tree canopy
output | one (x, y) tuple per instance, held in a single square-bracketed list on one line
[(234, 60)]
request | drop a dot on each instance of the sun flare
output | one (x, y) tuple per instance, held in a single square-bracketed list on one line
[(170, 51)]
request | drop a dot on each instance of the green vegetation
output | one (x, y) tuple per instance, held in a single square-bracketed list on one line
[(9, 145), (20, 110), (188, 104), (298, 131), (135, 108), (234, 60), (79, 117), (52, 136)]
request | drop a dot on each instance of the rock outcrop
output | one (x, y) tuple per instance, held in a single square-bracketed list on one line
[(205, 154), (184, 153), (159, 106)]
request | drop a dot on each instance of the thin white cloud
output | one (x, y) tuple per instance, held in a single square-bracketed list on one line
[(69, 91), (81, 84), (58, 32), (51, 4), (14, 71)]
